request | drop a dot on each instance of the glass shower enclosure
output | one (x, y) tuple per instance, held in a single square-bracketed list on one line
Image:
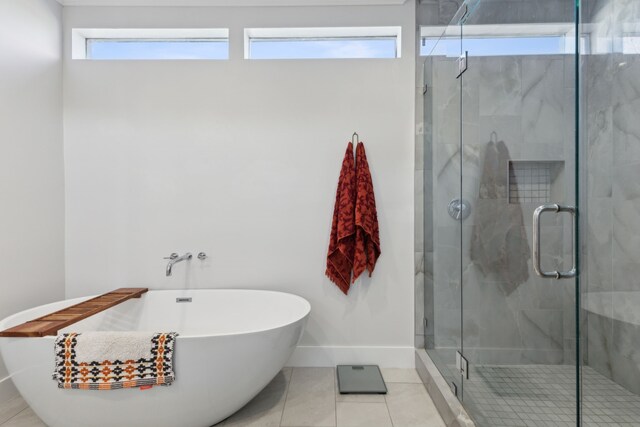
[(532, 173)]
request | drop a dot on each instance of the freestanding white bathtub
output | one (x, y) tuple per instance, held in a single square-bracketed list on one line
[(231, 344)]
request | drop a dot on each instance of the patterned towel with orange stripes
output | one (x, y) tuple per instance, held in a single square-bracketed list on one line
[(114, 360)]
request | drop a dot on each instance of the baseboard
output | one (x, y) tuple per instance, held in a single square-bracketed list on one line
[(7, 390), (386, 357)]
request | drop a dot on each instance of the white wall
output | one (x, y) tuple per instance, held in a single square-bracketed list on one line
[(240, 159), (31, 163)]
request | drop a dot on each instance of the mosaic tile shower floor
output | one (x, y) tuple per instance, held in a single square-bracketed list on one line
[(544, 395)]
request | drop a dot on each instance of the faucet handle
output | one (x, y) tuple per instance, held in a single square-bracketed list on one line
[(172, 256)]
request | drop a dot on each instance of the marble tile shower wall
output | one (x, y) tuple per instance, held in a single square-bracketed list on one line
[(612, 130), (528, 103), (611, 108)]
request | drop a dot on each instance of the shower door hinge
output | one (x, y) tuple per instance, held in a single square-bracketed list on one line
[(462, 364), (454, 389), (462, 63)]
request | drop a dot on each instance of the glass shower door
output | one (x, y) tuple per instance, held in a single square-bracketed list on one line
[(442, 107), (518, 152), (519, 346)]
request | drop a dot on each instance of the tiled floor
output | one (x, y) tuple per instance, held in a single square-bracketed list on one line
[(301, 397), (544, 395)]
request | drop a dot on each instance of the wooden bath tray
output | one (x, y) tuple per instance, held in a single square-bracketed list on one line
[(53, 322)]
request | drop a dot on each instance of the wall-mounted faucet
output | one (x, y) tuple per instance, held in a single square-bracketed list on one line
[(174, 259)]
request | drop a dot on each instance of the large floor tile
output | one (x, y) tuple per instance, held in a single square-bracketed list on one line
[(396, 375), (311, 399), (265, 410), (362, 415), (410, 406), (26, 418), (11, 408), (307, 397)]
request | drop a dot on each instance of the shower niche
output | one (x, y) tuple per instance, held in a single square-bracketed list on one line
[(535, 181)]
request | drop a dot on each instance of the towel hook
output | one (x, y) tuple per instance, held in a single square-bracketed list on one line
[(355, 138), (494, 137)]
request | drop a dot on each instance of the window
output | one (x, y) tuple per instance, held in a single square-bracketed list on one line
[(499, 40), (156, 49), (322, 43), (150, 44)]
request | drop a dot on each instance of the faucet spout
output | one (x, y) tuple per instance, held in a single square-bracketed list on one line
[(175, 260)]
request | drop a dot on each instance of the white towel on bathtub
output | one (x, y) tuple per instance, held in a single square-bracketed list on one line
[(101, 346), (113, 360)]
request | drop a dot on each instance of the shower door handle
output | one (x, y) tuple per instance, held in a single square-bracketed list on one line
[(537, 262)]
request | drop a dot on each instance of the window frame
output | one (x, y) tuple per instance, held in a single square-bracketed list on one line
[(322, 34), (82, 37)]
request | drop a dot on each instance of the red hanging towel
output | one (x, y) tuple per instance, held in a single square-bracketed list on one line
[(342, 241), (367, 235)]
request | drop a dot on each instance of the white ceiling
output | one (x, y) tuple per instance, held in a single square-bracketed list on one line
[(228, 2)]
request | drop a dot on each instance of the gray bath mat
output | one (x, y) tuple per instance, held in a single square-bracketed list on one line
[(360, 379)]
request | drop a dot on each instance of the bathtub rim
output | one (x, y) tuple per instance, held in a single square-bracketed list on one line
[(307, 311)]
